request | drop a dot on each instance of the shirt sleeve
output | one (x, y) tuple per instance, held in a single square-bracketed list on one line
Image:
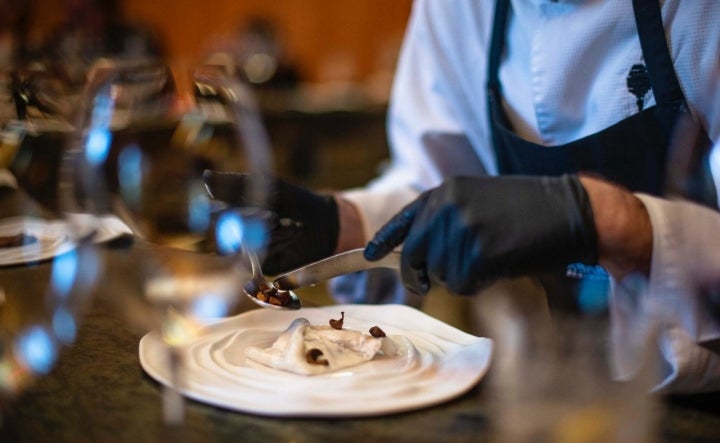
[(436, 128), (672, 309)]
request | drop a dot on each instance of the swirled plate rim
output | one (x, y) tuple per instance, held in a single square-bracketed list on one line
[(454, 363)]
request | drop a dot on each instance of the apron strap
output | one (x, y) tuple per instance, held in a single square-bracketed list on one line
[(497, 44), (663, 79)]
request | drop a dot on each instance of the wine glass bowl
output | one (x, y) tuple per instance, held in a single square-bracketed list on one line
[(54, 267), (140, 158)]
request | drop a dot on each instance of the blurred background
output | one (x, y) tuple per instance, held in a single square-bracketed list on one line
[(321, 72), (322, 69), (318, 35)]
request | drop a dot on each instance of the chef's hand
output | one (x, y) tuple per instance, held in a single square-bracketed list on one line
[(470, 231), (305, 229)]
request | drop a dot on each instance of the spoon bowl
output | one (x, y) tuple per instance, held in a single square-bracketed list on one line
[(264, 293)]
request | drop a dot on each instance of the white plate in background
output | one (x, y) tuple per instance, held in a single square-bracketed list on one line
[(53, 237)]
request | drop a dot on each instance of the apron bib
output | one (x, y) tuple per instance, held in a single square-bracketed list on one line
[(634, 152)]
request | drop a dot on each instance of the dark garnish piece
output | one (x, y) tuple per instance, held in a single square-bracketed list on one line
[(274, 296), (280, 298), (313, 357), (377, 332), (12, 241), (338, 324)]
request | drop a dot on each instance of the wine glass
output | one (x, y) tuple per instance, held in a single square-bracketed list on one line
[(557, 381), (140, 157), (49, 268)]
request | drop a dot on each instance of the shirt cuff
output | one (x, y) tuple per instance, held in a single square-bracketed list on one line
[(670, 309)]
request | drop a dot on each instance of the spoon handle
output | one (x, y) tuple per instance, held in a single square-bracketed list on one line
[(336, 265)]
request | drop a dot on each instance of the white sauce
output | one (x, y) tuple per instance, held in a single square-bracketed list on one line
[(340, 348)]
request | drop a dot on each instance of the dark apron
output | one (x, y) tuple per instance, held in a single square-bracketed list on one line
[(634, 152)]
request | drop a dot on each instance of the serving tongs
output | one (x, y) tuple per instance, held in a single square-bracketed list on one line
[(260, 290)]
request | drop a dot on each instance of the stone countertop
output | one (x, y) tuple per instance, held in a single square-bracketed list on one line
[(98, 392)]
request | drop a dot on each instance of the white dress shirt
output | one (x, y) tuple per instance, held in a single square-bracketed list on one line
[(564, 77), (679, 300)]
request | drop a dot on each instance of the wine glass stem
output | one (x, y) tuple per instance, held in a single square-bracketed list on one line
[(173, 401)]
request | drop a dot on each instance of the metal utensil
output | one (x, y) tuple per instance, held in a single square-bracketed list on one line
[(264, 293), (336, 265)]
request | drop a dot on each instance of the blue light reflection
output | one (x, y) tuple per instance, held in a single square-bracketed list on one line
[(228, 232), (594, 287), (97, 145), (199, 213), (99, 137), (64, 273), (209, 306), (233, 231), (36, 348), (130, 173), (64, 326)]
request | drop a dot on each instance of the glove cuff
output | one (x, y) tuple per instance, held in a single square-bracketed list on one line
[(331, 220), (582, 223)]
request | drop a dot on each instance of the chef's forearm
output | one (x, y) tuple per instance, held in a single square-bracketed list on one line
[(622, 223), (623, 228), (351, 228)]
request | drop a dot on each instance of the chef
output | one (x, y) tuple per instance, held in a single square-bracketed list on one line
[(530, 135)]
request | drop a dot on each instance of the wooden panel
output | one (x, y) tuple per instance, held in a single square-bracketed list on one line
[(355, 34)]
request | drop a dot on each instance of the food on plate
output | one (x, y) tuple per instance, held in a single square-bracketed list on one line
[(315, 356), (337, 324), (308, 349), (15, 240), (375, 331)]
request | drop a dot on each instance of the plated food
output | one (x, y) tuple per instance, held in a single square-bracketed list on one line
[(307, 349), (433, 363)]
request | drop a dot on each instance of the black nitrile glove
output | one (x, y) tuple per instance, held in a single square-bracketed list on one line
[(470, 231), (307, 223)]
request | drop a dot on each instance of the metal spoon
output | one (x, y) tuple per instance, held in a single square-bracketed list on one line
[(333, 266), (264, 292), (344, 263)]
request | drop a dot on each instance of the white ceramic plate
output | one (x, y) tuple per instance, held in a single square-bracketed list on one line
[(448, 363), (53, 237)]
